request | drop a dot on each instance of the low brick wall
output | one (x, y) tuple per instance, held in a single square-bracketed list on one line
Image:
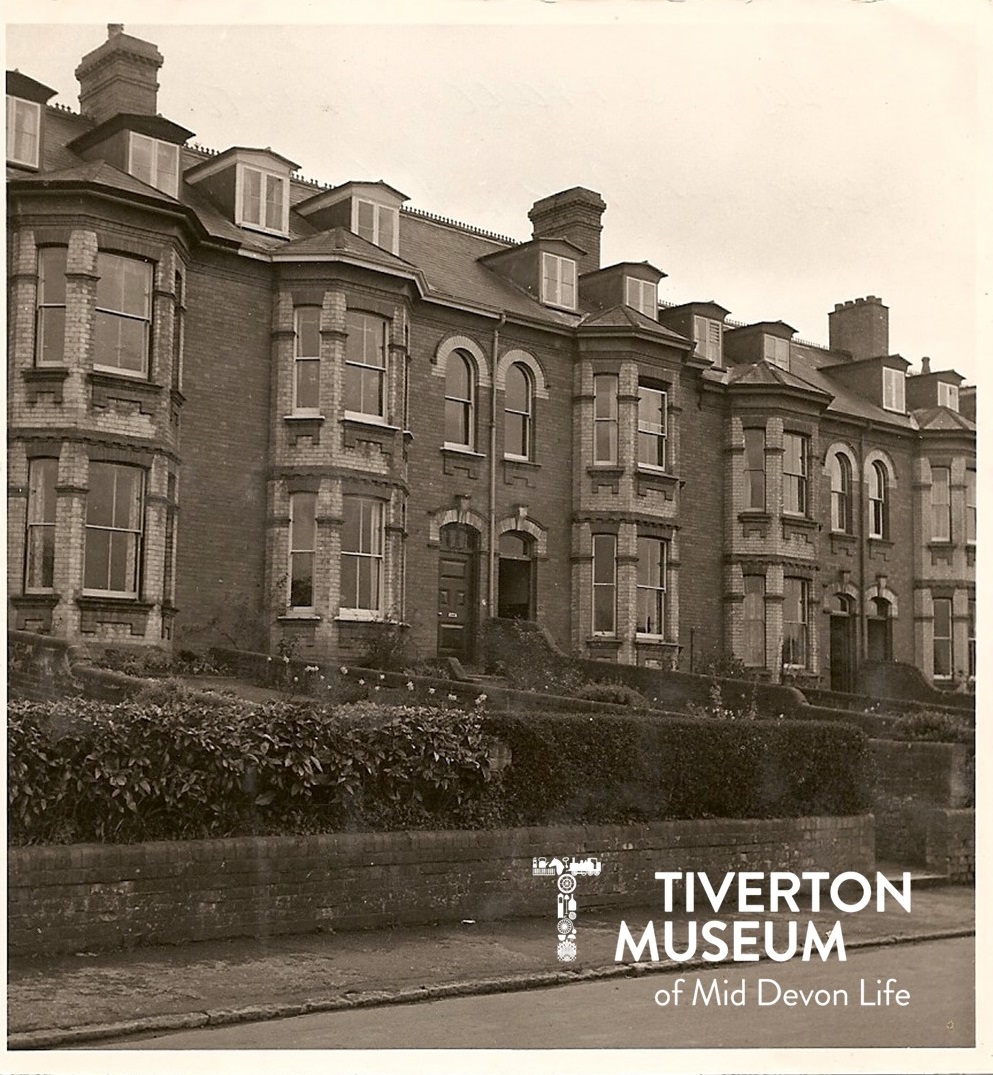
[(938, 774), (90, 897), (894, 680), (939, 839)]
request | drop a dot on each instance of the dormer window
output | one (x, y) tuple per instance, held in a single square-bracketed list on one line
[(894, 385), (262, 200), (708, 335), (641, 295), (377, 224), (948, 395), (776, 351), (154, 162), (558, 281), (23, 127)]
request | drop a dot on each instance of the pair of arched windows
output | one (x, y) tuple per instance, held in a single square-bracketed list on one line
[(841, 496), (461, 383)]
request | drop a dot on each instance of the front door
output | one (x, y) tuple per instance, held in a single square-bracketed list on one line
[(457, 562), (842, 650)]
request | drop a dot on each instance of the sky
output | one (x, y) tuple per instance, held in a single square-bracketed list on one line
[(776, 157)]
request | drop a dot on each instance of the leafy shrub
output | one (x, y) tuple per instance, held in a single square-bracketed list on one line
[(612, 693), (614, 769), (83, 771), (929, 726)]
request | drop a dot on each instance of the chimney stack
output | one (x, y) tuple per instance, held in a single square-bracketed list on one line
[(574, 215), (119, 76), (861, 327), (925, 365)]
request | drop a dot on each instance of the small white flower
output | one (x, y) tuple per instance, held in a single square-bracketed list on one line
[(382, 676), (430, 690), (376, 687), (286, 659), (361, 682), (453, 697), (269, 659), (410, 684), (343, 670), (296, 679)]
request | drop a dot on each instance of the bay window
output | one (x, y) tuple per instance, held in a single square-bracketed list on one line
[(307, 360), (362, 557), (652, 572), (604, 584), (51, 306), (123, 315), (39, 561), (651, 427)]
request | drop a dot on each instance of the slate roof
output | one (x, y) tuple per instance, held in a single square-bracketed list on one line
[(766, 375), (626, 317), (97, 173), (845, 402), (447, 256), (342, 241), (943, 418)]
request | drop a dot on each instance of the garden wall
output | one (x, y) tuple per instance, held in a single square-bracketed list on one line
[(893, 679), (90, 897)]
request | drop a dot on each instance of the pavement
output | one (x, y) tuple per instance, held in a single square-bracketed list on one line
[(60, 1002)]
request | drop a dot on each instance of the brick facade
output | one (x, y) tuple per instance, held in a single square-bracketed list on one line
[(67, 899), (444, 448)]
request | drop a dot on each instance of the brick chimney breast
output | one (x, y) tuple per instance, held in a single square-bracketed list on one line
[(119, 76), (861, 327), (575, 215)]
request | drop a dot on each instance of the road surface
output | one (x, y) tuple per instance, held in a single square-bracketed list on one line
[(937, 1009)]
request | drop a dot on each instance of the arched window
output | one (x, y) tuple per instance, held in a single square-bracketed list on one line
[(460, 400), (878, 624), (515, 585), (841, 493), (879, 526), (518, 412)]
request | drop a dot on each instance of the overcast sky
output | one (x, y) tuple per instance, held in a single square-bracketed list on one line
[(776, 156)]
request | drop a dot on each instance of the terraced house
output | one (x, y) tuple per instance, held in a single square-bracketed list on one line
[(244, 405)]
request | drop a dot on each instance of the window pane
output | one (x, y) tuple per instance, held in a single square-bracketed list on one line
[(518, 389), (100, 498), (141, 158), (367, 221), (302, 580), (251, 196), (40, 573), (52, 274), (308, 336), (51, 335), (96, 574), (603, 558), (274, 193), (386, 228), (167, 167), (308, 385)]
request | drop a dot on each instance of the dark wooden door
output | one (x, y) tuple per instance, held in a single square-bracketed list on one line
[(456, 593), (842, 652)]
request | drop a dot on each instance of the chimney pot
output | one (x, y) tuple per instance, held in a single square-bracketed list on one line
[(114, 28), (119, 76), (925, 364)]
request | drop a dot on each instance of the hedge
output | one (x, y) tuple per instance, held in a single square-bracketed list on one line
[(627, 768), (83, 771)]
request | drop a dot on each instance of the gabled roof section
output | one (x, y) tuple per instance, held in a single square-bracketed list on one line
[(845, 402), (627, 318), (943, 419), (769, 328), (97, 173), (709, 309), (452, 260), (646, 268), (337, 242), (765, 375), (27, 88), (373, 190), (545, 242), (252, 155), (153, 126)]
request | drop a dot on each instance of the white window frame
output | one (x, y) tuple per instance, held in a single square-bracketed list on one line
[(359, 322), (776, 351), (803, 624), (302, 360), (970, 505), (749, 597), (168, 183), (379, 214), (41, 306), (608, 421), (651, 432), (708, 335), (301, 503), (642, 295), (137, 533), (266, 177), (797, 481), (947, 640), (558, 281), (894, 390), (351, 559), (941, 503), (611, 584), (879, 484), (32, 108), (841, 493), (750, 504), (526, 416), (651, 590), (123, 315), (43, 478), (948, 395), (467, 406)]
